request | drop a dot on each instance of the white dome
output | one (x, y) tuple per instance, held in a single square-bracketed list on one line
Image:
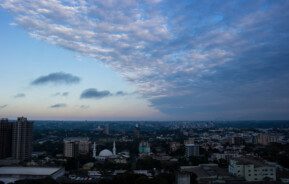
[(105, 153)]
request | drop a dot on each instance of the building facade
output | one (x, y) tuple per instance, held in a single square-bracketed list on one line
[(252, 169), (5, 138), (76, 146), (22, 139), (144, 148), (192, 150)]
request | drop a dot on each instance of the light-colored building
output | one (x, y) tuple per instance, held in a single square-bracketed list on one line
[(76, 145), (252, 169), (144, 148), (107, 154), (192, 150), (12, 174)]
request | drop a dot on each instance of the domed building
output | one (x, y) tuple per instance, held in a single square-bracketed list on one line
[(105, 153)]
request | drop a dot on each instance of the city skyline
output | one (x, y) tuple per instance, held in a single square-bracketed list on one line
[(144, 60)]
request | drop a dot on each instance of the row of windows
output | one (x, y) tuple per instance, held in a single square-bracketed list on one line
[(262, 170)]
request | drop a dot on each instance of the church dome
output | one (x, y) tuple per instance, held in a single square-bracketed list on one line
[(105, 153)]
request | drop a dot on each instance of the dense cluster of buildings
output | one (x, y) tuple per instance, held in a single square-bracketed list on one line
[(189, 152)]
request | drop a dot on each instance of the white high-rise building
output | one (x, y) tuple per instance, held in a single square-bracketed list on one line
[(252, 169)]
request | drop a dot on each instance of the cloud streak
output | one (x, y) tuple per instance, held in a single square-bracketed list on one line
[(92, 93), (20, 95), (84, 106), (3, 106), (58, 105), (62, 94), (56, 78)]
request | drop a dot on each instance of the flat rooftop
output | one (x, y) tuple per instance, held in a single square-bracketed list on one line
[(257, 162), (206, 170), (42, 171)]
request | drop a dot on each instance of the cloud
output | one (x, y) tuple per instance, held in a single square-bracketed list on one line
[(3, 106), (62, 94), (92, 93), (19, 95), (56, 78), (193, 55), (58, 105), (121, 93), (84, 106)]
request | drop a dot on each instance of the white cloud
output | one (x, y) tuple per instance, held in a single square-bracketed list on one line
[(163, 54)]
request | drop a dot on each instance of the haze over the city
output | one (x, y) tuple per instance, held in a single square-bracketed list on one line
[(144, 60)]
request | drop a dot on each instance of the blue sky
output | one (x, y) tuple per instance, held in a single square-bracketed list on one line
[(144, 60)]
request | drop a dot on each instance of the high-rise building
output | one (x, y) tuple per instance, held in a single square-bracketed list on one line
[(5, 138), (106, 129), (22, 139), (75, 146), (192, 150), (136, 132)]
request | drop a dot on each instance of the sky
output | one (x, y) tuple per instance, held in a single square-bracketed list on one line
[(144, 60)]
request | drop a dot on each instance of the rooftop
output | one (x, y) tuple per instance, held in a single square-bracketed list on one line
[(206, 170), (45, 171), (257, 162)]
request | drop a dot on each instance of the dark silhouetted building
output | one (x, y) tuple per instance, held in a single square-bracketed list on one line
[(5, 138), (136, 132), (106, 129), (22, 139)]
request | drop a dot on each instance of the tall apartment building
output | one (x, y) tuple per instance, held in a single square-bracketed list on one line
[(252, 169), (192, 150), (75, 146), (22, 139), (5, 138)]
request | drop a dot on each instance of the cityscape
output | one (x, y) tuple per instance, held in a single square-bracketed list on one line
[(144, 152), (144, 92)]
